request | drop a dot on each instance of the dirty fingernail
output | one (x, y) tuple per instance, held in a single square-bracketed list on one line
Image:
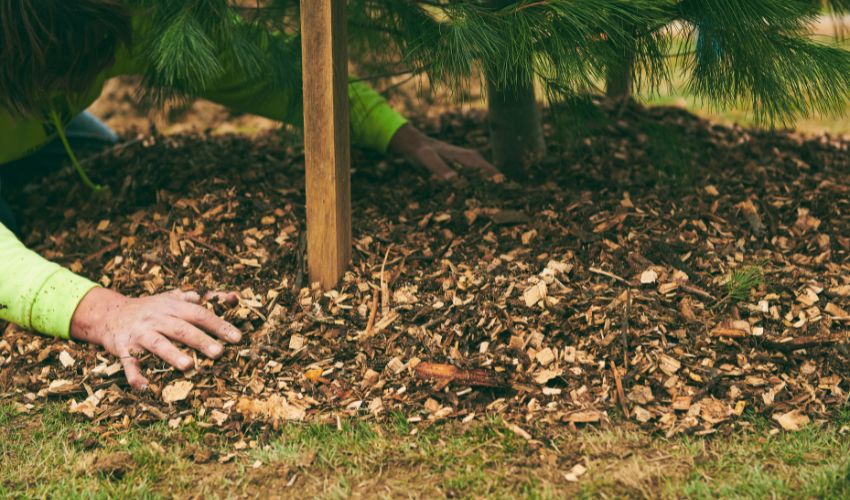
[(215, 350)]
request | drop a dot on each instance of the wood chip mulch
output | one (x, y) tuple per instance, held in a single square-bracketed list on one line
[(655, 268)]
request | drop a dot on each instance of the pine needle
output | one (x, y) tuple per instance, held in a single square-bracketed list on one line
[(742, 281)]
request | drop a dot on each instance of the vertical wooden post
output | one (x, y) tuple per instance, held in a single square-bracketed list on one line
[(326, 139)]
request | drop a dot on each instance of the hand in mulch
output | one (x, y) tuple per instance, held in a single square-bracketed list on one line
[(435, 155), (127, 327)]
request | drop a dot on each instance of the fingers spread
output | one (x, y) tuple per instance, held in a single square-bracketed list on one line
[(190, 336), (184, 295), (161, 347), (207, 321), (132, 370), (471, 159), (226, 298), (431, 160)]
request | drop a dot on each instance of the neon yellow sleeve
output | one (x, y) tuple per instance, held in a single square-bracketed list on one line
[(373, 121), (34, 293)]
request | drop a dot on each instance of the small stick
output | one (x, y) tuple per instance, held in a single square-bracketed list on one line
[(203, 244), (613, 276), (373, 313), (108, 248), (210, 247), (301, 252), (112, 150), (625, 334), (801, 343), (696, 291), (621, 394), (385, 289)]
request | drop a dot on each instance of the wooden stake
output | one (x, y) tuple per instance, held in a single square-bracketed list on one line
[(326, 139)]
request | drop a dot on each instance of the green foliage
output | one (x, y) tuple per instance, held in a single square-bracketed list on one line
[(193, 41), (747, 52), (742, 280)]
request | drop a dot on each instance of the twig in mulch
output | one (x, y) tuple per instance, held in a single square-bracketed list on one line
[(730, 333), (121, 146), (201, 242), (621, 394), (625, 334), (683, 286), (100, 253), (300, 259), (213, 248), (613, 276), (798, 343), (373, 313), (696, 291), (385, 289), (381, 325), (447, 373)]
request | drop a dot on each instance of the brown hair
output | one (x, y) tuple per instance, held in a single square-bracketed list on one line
[(49, 46)]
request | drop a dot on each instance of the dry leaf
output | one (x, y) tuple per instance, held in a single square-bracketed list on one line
[(794, 420), (275, 410), (177, 391), (714, 411), (87, 407), (61, 386), (313, 374)]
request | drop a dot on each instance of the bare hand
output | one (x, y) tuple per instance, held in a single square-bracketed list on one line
[(436, 156), (127, 327)]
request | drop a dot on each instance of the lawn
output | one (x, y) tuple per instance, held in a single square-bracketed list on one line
[(50, 454)]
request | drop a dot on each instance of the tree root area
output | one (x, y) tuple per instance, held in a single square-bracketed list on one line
[(653, 268)]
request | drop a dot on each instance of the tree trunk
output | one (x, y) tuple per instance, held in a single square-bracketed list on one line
[(516, 132), (620, 78)]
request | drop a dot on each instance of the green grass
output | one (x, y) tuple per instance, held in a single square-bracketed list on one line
[(44, 454)]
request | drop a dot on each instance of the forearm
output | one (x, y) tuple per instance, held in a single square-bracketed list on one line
[(34, 293), (373, 121)]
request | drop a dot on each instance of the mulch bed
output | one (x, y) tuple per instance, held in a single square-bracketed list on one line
[(595, 290)]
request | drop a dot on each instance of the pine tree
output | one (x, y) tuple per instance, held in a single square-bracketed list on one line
[(750, 53)]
